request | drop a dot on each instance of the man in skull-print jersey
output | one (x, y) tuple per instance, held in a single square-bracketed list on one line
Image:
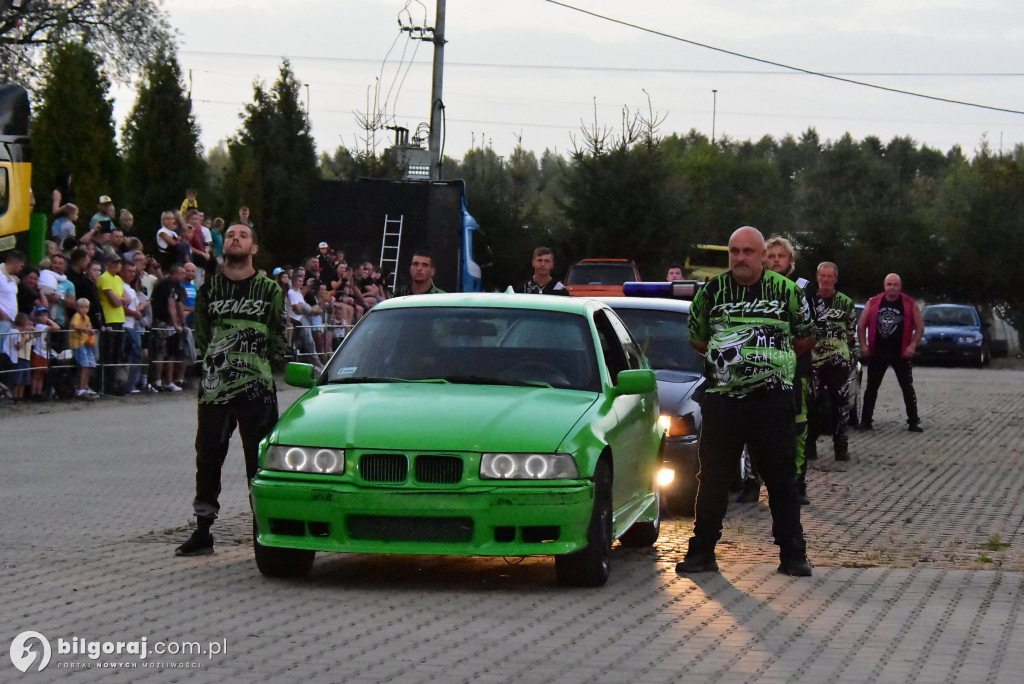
[(239, 318), (750, 324)]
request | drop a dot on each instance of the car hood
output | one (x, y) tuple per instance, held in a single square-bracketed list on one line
[(434, 417), (675, 387), (951, 331)]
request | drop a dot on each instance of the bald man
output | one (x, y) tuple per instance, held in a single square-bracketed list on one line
[(750, 324), (888, 331)]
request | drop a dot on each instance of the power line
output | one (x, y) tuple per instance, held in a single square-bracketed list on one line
[(612, 69), (809, 72)]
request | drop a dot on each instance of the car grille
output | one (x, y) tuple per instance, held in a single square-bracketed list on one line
[(384, 467), (394, 468), (438, 469), (409, 528)]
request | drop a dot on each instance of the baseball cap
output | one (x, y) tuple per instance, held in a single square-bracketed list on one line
[(278, 271), (105, 199), (40, 310), (322, 245)]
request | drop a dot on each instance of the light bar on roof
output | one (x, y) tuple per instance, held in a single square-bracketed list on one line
[(677, 289)]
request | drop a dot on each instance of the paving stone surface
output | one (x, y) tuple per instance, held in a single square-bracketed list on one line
[(919, 572)]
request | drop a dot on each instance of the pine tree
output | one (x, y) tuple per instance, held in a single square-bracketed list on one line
[(162, 153), (273, 164), (73, 129)]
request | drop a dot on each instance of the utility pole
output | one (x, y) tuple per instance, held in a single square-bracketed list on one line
[(436, 102), (714, 112)]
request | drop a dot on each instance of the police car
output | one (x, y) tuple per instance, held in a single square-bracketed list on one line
[(657, 314)]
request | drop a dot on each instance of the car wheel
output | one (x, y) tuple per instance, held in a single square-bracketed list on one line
[(643, 533), (589, 566), (277, 562), (682, 503)]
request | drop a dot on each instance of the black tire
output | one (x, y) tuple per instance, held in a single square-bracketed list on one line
[(645, 533), (273, 561), (854, 411), (590, 566)]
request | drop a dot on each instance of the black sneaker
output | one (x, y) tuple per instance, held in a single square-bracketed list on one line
[(199, 544), (697, 561), (842, 452), (796, 567), (915, 427), (865, 425)]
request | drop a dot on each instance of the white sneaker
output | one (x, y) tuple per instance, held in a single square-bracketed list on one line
[(134, 390), (172, 387), (149, 389)]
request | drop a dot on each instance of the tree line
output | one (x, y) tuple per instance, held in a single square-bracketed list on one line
[(950, 225)]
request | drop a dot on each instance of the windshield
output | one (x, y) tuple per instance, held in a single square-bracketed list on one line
[(663, 336), (600, 274), (951, 315), (469, 345)]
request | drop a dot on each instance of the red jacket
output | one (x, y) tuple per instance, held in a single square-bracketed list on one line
[(911, 320)]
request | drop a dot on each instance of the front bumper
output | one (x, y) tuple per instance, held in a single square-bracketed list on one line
[(496, 520), (680, 453), (946, 352)]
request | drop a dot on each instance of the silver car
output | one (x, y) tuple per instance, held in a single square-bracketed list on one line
[(660, 326)]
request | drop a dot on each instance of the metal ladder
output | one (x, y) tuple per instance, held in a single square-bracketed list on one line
[(390, 246)]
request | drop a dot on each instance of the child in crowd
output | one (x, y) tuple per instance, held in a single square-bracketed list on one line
[(83, 345), (337, 327), (19, 351), (190, 201), (44, 327)]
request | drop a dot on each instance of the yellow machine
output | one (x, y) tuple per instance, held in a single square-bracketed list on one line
[(15, 164), (707, 261)]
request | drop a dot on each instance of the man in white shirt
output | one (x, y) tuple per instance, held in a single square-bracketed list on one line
[(14, 261)]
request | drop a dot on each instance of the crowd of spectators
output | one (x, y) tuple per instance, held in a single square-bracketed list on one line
[(324, 297), (98, 300)]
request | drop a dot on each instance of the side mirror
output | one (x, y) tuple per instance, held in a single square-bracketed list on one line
[(638, 381), (299, 375)]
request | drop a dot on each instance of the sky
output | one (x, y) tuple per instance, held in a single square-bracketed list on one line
[(538, 72)]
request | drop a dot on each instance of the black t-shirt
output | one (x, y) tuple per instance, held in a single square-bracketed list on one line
[(162, 293), (890, 326), (553, 287), (27, 299), (87, 289)]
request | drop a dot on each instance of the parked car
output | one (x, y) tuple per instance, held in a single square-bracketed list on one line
[(660, 328), (600, 277), (954, 332), (467, 424)]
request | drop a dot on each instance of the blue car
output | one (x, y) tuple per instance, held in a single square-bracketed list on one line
[(954, 332)]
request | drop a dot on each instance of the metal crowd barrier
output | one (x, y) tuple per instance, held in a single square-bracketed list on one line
[(60, 355)]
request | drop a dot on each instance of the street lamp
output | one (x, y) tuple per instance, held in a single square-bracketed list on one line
[(714, 113)]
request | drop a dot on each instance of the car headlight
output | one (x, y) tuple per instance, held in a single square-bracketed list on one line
[(678, 426), (969, 341), (304, 459), (528, 467)]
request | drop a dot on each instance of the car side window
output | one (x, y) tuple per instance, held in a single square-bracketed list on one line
[(634, 358), (611, 347)]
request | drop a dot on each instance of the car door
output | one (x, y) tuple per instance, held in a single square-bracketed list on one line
[(633, 439)]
